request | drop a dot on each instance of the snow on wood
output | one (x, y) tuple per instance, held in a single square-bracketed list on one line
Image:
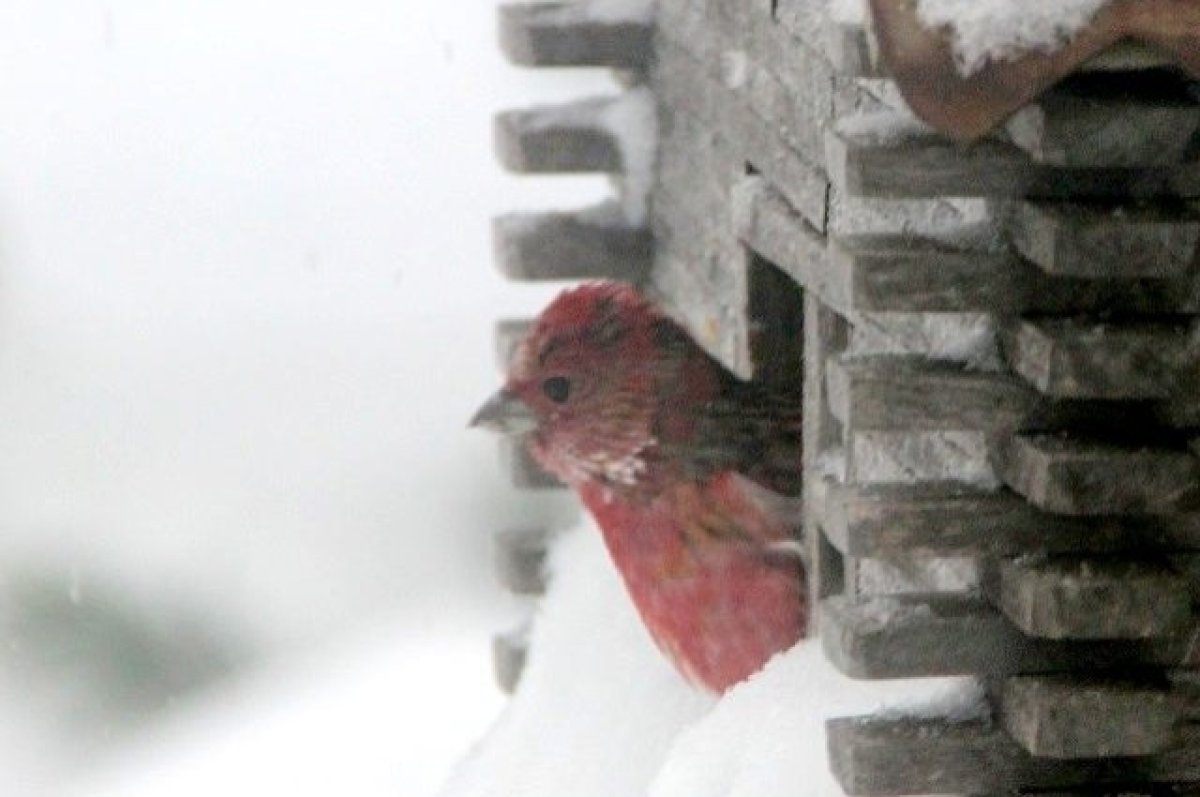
[(633, 122), (982, 31)]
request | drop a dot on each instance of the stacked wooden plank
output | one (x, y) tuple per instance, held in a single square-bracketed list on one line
[(610, 240), (1002, 371), (1000, 353)]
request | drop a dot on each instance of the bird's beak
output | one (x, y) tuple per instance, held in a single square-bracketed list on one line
[(504, 413)]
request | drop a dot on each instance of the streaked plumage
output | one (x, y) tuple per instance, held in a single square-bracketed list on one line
[(670, 453)]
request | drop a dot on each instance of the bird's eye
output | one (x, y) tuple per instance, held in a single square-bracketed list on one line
[(557, 389)]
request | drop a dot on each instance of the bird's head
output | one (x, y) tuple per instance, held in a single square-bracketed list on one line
[(584, 384)]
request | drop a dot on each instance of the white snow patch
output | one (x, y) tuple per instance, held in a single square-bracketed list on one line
[(633, 122), (766, 737), (598, 705), (614, 11), (848, 12), (983, 31)]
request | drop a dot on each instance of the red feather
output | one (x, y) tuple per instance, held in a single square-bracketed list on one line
[(662, 444)]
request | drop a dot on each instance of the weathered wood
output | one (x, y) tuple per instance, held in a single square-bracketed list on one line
[(898, 272), (679, 82), (765, 222), (889, 155), (895, 272), (1073, 717), (1074, 476), (1088, 598), (700, 269), (901, 273), (879, 757), (1124, 119), (518, 556), (523, 471), (785, 83), (921, 635), (593, 243), (825, 334), (509, 651), (574, 137), (1107, 241), (571, 34), (1100, 360), (683, 288), (910, 393), (508, 334), (954, 519)]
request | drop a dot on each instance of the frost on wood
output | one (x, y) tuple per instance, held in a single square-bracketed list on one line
[(619, 11), (915, 457), (848, 12), (966, 338), (982, 31), (633, 122)]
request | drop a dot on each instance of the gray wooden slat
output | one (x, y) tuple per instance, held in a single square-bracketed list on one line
[(741, 48), (679, 82), (901, 393), (910, 393), (825, 334), (1074, 476), (901, 273), (879, 757), (572, 137), (1099, 360), (509, 652), (1124, 119), (593, 243), (906, 273), (1088, 598), (765, 222), (909, 273), (921, 635), (523, 471), (508, 334), (954, 519), (887, 155), (570, 34), (1076, 716), (518, 557), (1107, 241)]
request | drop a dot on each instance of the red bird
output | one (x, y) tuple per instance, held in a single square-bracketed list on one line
[(670, 453)]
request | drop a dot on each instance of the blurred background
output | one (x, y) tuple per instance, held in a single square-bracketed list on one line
[(246, 301)]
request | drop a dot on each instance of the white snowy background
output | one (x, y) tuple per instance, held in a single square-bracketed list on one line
[(246, 298)]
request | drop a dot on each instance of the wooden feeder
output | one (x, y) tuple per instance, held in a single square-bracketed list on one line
[(997, 343)]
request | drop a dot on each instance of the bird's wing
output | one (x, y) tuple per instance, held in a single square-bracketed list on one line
[(745, 428)]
